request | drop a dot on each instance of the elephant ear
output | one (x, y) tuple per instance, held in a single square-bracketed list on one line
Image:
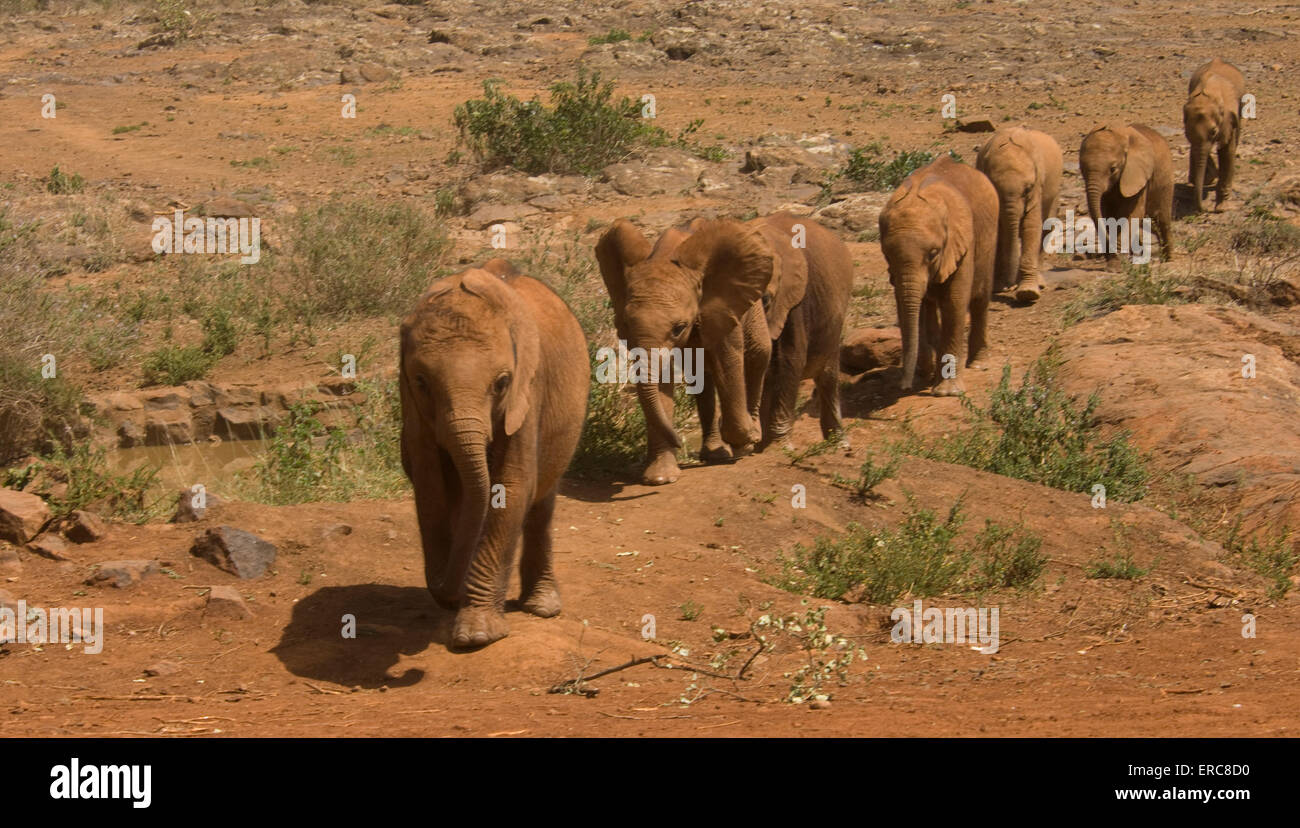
[(957, 220), (523, 340), (1138, 166), (622, 247), (734, 264), (789, 280)]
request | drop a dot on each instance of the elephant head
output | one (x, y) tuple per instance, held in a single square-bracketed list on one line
[(926, 234), (469, 356), (1114, 156), (1207, 123), (698, 281)]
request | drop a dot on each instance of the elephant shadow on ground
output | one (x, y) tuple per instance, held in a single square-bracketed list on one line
[(390, 622), (1185, 198), (609, 489), (872, 391)]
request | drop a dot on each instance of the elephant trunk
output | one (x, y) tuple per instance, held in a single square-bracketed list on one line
[(467, 443), (1008, 255), (1199, 159), (655, 419), (909, 326), (1093, 189)]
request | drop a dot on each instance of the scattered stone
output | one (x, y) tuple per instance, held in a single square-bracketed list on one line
[(820, 703), (867, 349), (22, 516), (187, 508), (1214, 569), (162, 668), (122, 574), (336, 530), (226, 602), (49, 546), (84, 527), (240, 553)]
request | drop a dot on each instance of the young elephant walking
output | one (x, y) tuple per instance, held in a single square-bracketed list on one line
[(1212, 121), (938, 234), (1025, 168), (493, 382), (764, 299), (1128, 175)]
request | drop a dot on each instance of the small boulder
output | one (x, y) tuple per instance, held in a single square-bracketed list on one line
[(190, 507), (122, 574), (22, 516), (84, 527), (162, 668), (867, 349), (226, 602), (50, 545), (240, 553)]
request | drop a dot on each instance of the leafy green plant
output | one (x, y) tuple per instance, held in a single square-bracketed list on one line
[(1134, 285), (584, 129), (176, 364), (870, 475), (1120, 567), (1275, 556), (868, 168), (612, 36), (1008, 557), (59, 182), (691, 611), (1039, 433), (828, 656), (135, 496)]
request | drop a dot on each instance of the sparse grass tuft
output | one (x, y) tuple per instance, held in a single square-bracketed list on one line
[(1135, 285), (1120, 567), (1275, 557)]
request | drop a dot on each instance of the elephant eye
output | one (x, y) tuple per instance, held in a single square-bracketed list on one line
[(679, 329), (421, 383), (502, 383), (934, 252)]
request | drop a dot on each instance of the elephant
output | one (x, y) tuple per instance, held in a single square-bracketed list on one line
[(1128, 173), (493, 379), (938, 232), (1025, 168), (764, 299), (1212, 120)]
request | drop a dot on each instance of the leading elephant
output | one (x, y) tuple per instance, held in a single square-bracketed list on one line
[(938, 232), (1212, 121), (1128, 175), (1024, 166), (764, 299), (493, 379)]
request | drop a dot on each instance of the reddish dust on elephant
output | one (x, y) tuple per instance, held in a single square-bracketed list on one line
[(731, 562)]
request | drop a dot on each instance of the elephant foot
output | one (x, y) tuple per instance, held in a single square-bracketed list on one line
[(715, 454), (948, 388), (743, 450), (543, 600), (978, 359), (1028, 291), (478, 627), (661, 471)]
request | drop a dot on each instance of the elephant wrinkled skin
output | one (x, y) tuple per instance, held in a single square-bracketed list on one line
[(1024, 166), (938, 232), (1128, 173), (493, 382)]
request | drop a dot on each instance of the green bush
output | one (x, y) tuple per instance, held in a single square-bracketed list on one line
[(868, 168), (918, 558), (1121, 567), (60, 183), (1274, 557), (352, 259), (1039, 433), (1135, 285), (584, 129), (176, 364), (136, 496), (870, 475)]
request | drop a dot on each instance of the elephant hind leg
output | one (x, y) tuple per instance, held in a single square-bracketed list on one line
[(539, 593), (828, 400), (781, 391)]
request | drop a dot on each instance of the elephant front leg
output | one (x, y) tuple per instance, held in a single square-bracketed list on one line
[(953, 303), (539, 592), (481, 619), (1227, 167), (726, 364), (758, 356), (661, 456), (712, 449), (1028, 281)]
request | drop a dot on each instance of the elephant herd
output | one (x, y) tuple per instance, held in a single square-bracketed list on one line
[(494, 368)]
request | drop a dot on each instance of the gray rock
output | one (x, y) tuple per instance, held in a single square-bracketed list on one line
[(240, 553), (122, 574), (22, 516), (188, 511)]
